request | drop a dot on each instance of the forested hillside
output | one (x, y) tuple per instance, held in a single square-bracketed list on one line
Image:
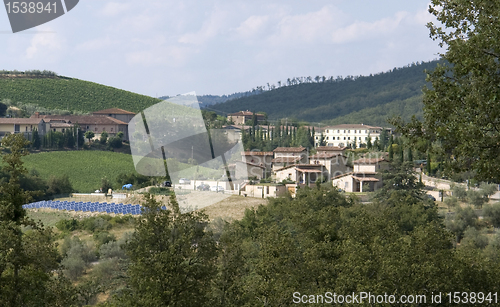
[(69, 94), (373, 97)]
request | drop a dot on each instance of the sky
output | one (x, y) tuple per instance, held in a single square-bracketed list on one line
[(165, 48)]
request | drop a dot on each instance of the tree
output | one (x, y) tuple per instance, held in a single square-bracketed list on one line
[(462, 108), (89, 135), (27, 259), (36, 142), (172, 258), (104, 137)]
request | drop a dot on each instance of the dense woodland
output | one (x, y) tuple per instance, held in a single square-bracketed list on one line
[(328, 98), (321, 240)]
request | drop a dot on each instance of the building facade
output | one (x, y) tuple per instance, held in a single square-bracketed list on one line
[(348, 134)]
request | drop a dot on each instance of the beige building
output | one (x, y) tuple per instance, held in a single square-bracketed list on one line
[(285, 156), (22, 125), (330, 150), (122, 115), (241, 117), (244, 170), (364, 177), (370, 165), (347, 134), (301, 173), (262, 158), (96, 124), (336, 164)]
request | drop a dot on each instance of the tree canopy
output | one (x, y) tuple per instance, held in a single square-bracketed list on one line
[(462, 108)]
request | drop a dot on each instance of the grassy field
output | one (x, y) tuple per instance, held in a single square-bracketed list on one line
[(71, 94), (85, 169)]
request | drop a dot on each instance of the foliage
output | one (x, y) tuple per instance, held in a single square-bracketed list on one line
[(492, 214), (84, 168), (160, 191), (115, 142), (89, 135), (61, 185), (461, 109), (27, 260), (71, 94), (172, 258), (384, 93), (463, 218)]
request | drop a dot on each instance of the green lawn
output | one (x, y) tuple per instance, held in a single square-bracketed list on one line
[(84, 168)]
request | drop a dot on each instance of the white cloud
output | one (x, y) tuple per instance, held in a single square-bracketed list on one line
[(96, 44), (213, 25), (114, 8), (308, 27), (252, 26), (45, 47), (359, 29)]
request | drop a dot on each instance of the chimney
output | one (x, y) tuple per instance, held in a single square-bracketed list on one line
[(37, 114)]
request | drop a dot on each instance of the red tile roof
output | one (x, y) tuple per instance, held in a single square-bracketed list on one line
[(85, 119), (290, 149), (257, 153), (113, 111), (21, 121)]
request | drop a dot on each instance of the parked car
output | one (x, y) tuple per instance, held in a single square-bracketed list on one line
[(431, 197), (203, 187), (184, 181), (216, 189)]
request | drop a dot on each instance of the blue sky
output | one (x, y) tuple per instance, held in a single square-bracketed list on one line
[(159, 47)]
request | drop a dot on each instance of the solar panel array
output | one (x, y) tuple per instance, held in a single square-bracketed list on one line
[(87, 206)]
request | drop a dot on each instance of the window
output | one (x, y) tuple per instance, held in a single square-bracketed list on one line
[(366, 138), (111, 129), (63, 130), (354, 131), (26, 128), (327, 138), (338, 138), (348, 137), (344, 137), (359, 138), (87, 127), (348, 131), (95, 128), (338, 131)]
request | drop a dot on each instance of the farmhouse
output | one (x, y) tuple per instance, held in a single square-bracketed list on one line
[(22, 125), (241, 117), (302, 173), (94, 123), (364, 177)]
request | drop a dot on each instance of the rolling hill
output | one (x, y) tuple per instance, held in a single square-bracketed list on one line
[(368, 99), (70, 94)]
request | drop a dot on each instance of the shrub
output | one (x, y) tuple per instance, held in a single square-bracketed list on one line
[(492, 214), (103, 237), (65, 225), (115, 142), (112, 249), (59, 185)]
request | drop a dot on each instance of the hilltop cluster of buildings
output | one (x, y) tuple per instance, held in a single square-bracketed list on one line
[(110, 121), (284, 164), (329, 163)]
